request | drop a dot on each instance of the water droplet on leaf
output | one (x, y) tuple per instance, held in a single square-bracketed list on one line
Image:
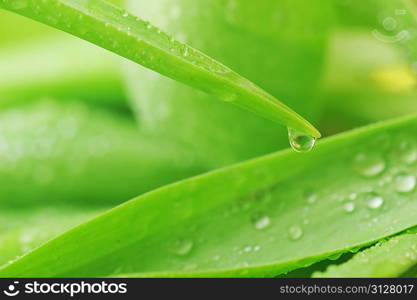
[(349, 207), (261, 222), (374, 201), (295, 232), (300, 141), (368, 165), (404, 183), (181, 247), (247, 249), (407, 152)]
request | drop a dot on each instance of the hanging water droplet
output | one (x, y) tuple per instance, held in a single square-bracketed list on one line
[(300, 141), (404, 183), (295, 232), (181, 247), (261, 221), (374, 201), (125, 14), (368, 165), (349, 207)]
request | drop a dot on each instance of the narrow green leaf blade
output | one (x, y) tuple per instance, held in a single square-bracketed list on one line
[(112, 28), (251, 219), (250, 39)]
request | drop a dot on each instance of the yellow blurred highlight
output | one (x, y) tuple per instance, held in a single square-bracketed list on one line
[(396, 80)]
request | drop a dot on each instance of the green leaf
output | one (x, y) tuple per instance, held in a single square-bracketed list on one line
[(396, 257), (263, 217), (70, 154), (114, 29), (279, 45), (61, 68)]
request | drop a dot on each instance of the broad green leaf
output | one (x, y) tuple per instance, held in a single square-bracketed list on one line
[(263, 217), (396, 257), (70, 154), (62, 68), (279, 45), (114, 29)]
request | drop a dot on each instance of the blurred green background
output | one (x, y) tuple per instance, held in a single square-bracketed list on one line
[(83, 129)]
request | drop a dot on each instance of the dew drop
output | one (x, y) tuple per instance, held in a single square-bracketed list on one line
[(404, 183), (407, 151), (181, 247), (261, 222), (374, 201), (295, 232), (247, 249), (300, 141), (353, 196), (368, 165), (125, 14), (349, 207)]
